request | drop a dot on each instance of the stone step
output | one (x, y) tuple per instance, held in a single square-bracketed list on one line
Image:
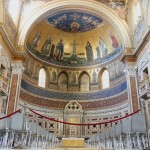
[(63, 149), (77, 149)]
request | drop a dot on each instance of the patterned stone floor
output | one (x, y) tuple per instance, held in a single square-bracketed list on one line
[(57, 149), (75, 149), (60, 149)]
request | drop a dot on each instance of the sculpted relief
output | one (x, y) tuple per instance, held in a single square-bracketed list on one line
[(119, 6)]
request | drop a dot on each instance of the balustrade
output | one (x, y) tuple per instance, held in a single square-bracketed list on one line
[(18, 132), (129, 134), (144, 88)]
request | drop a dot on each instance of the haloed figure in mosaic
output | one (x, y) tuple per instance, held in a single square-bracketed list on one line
[(98, 52), (36, 40), (113, 40), (47, 46), (89, 51), (103, 47), (59, 50)]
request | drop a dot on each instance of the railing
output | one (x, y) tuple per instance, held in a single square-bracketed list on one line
[(17, 132), (3, 84), (144, 87), (129, 134)]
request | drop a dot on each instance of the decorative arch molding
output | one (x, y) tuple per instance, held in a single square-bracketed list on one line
[(63, 72), (102, 70), (97, 8), (80, 75), (73, 105)]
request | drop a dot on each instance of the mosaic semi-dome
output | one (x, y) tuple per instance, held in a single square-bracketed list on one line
[(74, 39)]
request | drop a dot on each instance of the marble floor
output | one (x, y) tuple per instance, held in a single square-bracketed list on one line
[(61, 149), (57, 149), (74, 149)]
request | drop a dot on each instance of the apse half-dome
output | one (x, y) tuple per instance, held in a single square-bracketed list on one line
[(74, 38), (74, 22)]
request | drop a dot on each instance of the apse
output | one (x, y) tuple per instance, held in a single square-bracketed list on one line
[(74, 38)]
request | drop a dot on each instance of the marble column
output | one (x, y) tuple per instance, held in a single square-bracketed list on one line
[(14, 89), (130, 71)]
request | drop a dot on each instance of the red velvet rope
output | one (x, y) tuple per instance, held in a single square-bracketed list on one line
[(10, 114), (78, 124)]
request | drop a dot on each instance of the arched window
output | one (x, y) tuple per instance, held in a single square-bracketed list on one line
[(105, 79), (42, 78), (84, 82), (63, 82)]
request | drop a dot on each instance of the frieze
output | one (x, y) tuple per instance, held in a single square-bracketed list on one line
[(36, 100), (81, 63), (74, 96)]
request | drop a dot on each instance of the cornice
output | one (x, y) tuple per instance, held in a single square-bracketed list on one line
[(10, 45), (132, 53)]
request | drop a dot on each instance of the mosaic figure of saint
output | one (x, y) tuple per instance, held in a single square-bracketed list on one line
[(51, 54), (103, 47), (113, 40), (98, 52), (36, 40), (47, 46), (59, 50), (89, 51)]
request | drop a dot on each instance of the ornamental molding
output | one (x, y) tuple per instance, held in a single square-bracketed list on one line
[(130, 70), (17, 68), (4, 60)]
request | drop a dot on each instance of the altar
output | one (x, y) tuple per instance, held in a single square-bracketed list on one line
[(73, 142)]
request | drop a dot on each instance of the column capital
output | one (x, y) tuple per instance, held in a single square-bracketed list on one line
[(17, 68), (130, 70)]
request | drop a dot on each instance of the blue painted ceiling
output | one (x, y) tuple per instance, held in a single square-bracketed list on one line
[(74, 22)]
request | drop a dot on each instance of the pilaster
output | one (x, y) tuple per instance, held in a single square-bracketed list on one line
[(14, 91), (131, 71)]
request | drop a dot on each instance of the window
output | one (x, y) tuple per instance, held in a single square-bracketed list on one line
[(105, 79), (42, 78)]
